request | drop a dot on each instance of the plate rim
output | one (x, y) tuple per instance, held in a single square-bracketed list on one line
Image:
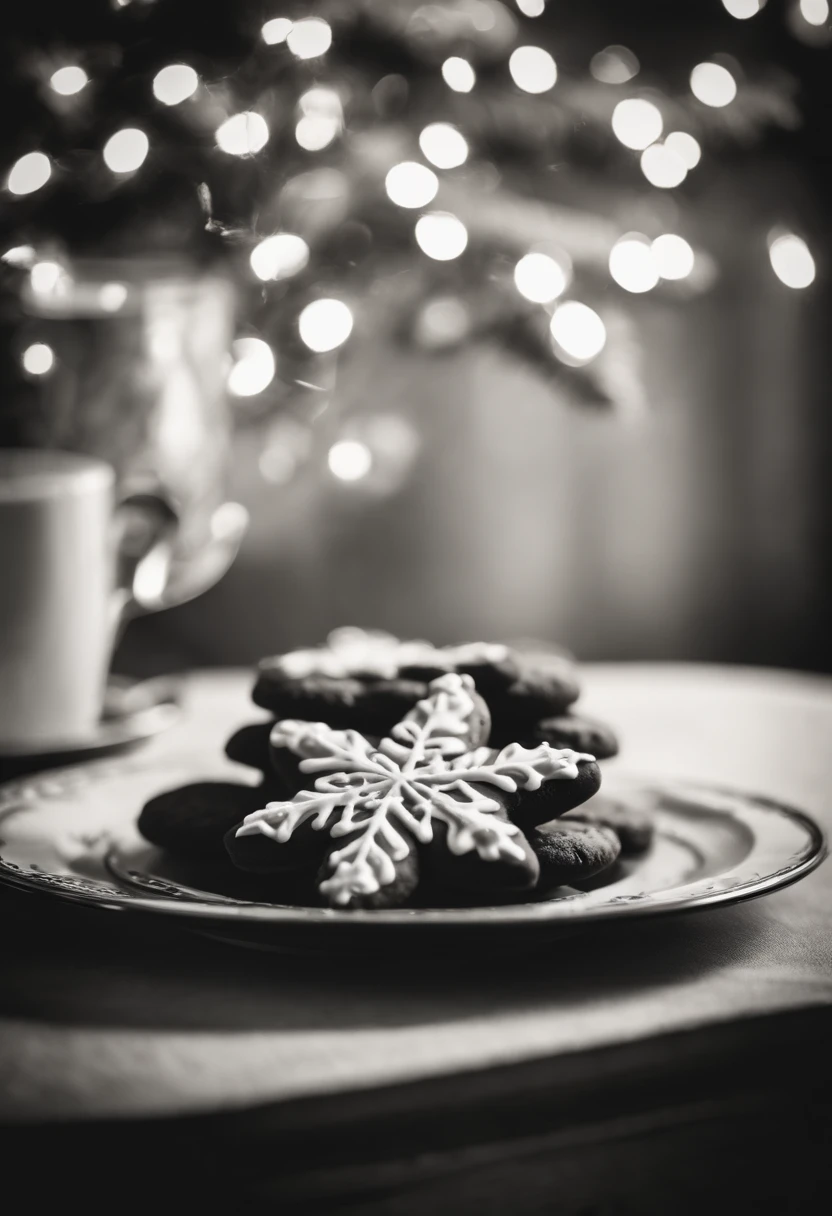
[(545, 914)]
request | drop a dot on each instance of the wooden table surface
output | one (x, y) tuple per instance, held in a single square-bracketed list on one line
[(111, 1017)]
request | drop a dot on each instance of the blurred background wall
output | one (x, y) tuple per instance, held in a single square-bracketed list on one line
[(697, 529)]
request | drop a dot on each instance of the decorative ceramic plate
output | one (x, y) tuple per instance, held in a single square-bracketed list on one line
[(72, 834)]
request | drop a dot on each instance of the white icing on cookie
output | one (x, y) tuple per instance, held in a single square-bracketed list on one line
[(476, 652), (351, 652), (422, 773)]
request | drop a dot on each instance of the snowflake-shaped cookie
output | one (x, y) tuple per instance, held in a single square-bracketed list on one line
[(423, 782)]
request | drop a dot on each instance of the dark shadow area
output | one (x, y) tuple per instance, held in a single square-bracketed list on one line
[(85, 967), (719, 1121)]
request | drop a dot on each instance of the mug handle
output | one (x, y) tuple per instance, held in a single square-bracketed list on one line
[(147, 524), (149, 579), (200, 571)]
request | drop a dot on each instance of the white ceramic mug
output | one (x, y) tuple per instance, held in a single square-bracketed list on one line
[(59, 604)]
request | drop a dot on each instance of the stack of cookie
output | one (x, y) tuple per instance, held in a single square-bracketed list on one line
[(368, 680), (402, 773)]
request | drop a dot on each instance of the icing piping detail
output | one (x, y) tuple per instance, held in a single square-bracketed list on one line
[(422, 773), (352, 652)]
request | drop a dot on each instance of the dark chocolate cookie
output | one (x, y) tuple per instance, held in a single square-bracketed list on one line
[(366, 705), (304, 849), (546, 685), (191, 821), (250, 746), (569, 852), (577, 780), (581, 734), (447, 870), (634, 826)]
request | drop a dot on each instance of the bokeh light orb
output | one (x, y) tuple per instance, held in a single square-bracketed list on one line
[(243, 134), (253, 368), (539, 278), (309, 37), (791, 260), (349, 460), (532, 8), (443, 145), (637, 123), (458, 74), (532, 69), (632, 264), (19, 255), (410, 184), (279, 256), (29, 173), (441, 236), (321, 101), (45, 277), (126, 151), (322, 118), (443, 322), (314, 132), (578, 331), (663, 167), (808, 21), (614, 65), (686, 148), (324, 325), (38, 359), (814, 12), (276, 31), (69, 80), (743, 9), (175, 84), (112, 297), (674, 257), (713, 85)]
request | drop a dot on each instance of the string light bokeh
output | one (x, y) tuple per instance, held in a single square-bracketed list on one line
[(324, 325), (743, 9), (637, 123), (458, 74), (38, 359), (578, 331), (410, 184), (541, 278), (319, 171), (633, 263), (279, 256), (68, 80), (441, 236), (29, 173), (175, 83), (713, 85), (533, 69), (126, 150), (253, 368), (791, 260), (243, 134)]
